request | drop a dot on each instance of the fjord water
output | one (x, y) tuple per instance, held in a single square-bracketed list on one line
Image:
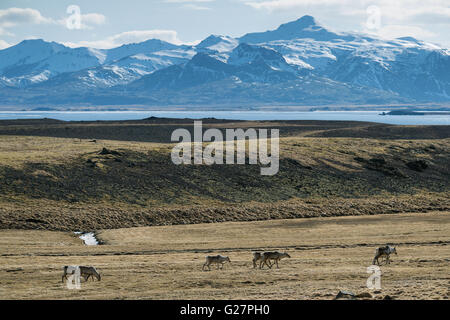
[(369, 116)]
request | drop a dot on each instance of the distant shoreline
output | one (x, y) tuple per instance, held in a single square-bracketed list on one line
[(415, 113), (432, 118)]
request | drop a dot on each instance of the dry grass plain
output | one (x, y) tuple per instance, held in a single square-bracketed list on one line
[(328, 255)]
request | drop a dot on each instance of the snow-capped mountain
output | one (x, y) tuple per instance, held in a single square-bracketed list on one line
[(247, 63), (146, 47), (301, 62), (304, 28), (218, 43), (120, 72), (409, 67), (34, 61)]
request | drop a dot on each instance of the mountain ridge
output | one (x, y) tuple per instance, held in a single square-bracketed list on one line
[(300, 62), (305, 27)]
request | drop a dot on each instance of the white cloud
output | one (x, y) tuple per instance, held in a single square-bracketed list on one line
[(129, 37), (273, 5), (93, 18), (188, 1), (192, 4), (87, 20), (196, 7), (12, 17), (3, 32), (4, 44), (138, 36), (411, 11), (397, 31)]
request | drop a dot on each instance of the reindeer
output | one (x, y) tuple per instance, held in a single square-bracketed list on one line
[(85, 272), (219, 260), (257, 256), (276, 256), (384, 252), (90, 272)]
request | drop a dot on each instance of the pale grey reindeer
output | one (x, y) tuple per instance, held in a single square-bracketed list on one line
[(85, 272), (384, 252), (276, 256), (219, 260)]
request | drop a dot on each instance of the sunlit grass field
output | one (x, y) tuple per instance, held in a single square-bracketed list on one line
[(327, 255)]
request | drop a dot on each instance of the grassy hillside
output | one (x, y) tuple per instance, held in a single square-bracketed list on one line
[(55, 176)]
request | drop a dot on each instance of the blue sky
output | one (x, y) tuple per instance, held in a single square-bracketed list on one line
[(107, 24)]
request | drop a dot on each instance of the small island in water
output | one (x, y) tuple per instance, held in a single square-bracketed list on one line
[(412, 113)]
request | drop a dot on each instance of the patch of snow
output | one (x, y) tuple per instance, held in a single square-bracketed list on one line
[(88, 238), (99, 54), (43, 76)]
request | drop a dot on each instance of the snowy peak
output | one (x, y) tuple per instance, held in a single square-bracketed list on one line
[(28, 52), (218, 43), (149, 46), (39, 44), (34, 61), (305, 22), (53, 55), (304, 28)]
